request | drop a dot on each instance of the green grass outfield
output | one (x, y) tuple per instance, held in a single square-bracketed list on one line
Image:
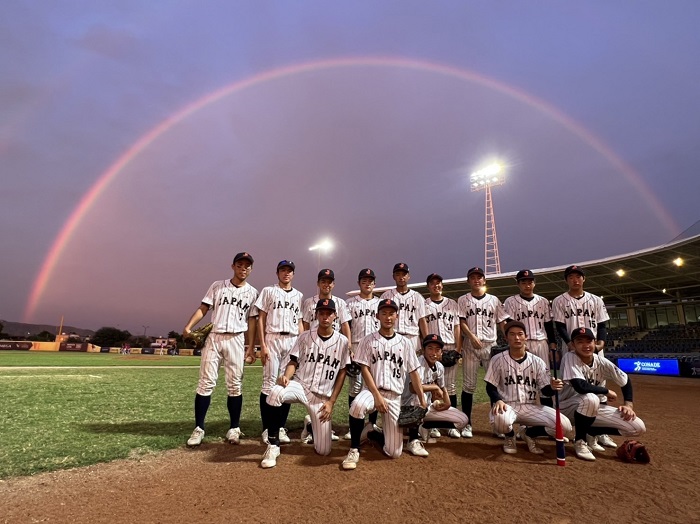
[(63, 410)]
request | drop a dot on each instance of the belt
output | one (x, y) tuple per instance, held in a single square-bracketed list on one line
[(283, 333)]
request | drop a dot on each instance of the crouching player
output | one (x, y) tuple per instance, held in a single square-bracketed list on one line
[(440, 412), (314, 377), (583, 371), (513, 381), (386, 358)]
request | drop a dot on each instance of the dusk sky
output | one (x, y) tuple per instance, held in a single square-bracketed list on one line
[(143, 144)]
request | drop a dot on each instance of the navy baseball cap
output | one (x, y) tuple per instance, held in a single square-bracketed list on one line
[(243, 256), (525, 274), (574, 269), (582, 332), (433, 276), (286, 263), (476, 270), (387, 302), (326, 273), (401, 266), (366, 273), (514, 324), (325, 303), (433, 339)]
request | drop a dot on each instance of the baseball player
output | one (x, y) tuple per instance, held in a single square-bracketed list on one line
[(233, 314), (584, 372), (535, 312), (440, 412), (326, 283), (386, 357), (280, 321), (410, 322), (480, 315), (363, 322), (442, 318), (513, 381), (314, 377)]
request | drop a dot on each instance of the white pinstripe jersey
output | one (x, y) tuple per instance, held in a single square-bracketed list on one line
[(428, 375), (231, 306), (533, 313), (283, 309), (390, 360), (411, 310), (320, 360), (363, 316), (517, 382), (586, 311), (442, 317), (597, 373), (482, 315), (308, 312)]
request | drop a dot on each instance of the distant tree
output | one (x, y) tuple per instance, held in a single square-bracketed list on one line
[(177, 336), (110, 336), (44, 336)]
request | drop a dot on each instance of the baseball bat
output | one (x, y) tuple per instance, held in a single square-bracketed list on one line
[(561, 451)]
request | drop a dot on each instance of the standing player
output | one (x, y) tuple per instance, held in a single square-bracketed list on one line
[(513, 380), (386, 358), (314, 377), (442, 318), (233, 314), (280, 321), (533, 311), (584, 373), (410, 321), (326, 283), (480, 315)]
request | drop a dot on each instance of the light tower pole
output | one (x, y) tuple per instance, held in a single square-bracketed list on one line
[(484, 179)]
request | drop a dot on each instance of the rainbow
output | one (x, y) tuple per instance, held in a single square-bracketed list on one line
[(88, 200)]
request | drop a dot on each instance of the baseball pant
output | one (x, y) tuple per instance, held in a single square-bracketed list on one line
[(229, 349), (527, 415), (606, 416), (278, 347), (471, 358), (450, 374), (450, 415), (393, 435)]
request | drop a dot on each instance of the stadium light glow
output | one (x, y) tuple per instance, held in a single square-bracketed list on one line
[(620, 272), (324, 246), (679, 261)]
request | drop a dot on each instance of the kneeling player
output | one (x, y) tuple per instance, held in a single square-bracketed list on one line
[(314, 377), (513, 380), (583, 372)]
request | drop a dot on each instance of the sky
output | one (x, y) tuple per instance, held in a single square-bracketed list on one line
[(144, 144)]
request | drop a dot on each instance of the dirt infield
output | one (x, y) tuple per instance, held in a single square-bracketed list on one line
[(468, 481)]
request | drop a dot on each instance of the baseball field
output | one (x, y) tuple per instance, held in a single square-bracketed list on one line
[(100, 438)]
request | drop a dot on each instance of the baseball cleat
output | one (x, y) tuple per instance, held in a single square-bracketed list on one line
[(233, 435), (605, 440), (415, 447), (352, 459), (196, 438), (425, 435), (509, 445), (582, 451), (365, 432), (467, 432), (593, 444), (284, 439), (306, 436), (435, 433), (531, 444), (334, 436), (347, 436), (453, 433), (270, 457)]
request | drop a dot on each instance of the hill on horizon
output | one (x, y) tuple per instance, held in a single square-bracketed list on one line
[(17, 329)]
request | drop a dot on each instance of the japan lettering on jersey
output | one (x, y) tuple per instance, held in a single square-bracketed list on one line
[(586, 311), (363, 317), (517, 382), (283, 309), (411, 310), (320, 360), (533, 313), (390, 360), (482, 315), (428, 375), (309, 312), (231, 306), (442, 317), (572, 367)]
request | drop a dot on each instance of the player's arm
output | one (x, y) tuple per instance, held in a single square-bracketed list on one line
[(602, 332), (561, 331), (551, 335), (627, 409), (417, 387), (582, 387), (262, 320), (423, 327), (289, 370), (195, 318), (379, 402), (326, 409), (458, 338), (497, 403), (475, 342), (345, 330), (250, 336)]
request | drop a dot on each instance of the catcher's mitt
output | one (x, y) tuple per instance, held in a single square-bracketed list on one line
[(353, 369), (411, 416), (198, 336), (449, 358), (633, 451)]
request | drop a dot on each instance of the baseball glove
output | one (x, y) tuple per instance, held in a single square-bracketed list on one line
[(198, 336), (411, 416), (353, 369), (633, 451), (450, 358), (495, 350)]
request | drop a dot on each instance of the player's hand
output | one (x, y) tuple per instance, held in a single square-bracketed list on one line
[(264, 354), (441, 406), (499, 407), (611, 395), (326, 411), (476, 343), (186, 332), (557, 384), (627, 412), (283, 381), (380, 404), (250, 356)]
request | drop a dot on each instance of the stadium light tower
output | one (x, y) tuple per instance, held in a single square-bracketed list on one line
[(324, 245), (483, 180)]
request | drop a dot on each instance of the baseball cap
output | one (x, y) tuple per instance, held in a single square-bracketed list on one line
[(525, 274), (366, 273), (387, 302), (243, 256), (286, 263), (433, 276), (326, 273), (401, 266), (433, 339), (325, 303), (476, 270), (582, 332), (574, 269), (513, 324)]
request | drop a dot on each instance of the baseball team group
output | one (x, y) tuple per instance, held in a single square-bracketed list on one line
[(391, 349)]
